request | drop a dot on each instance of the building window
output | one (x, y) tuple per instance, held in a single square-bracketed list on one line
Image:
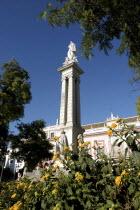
[(52, 135)]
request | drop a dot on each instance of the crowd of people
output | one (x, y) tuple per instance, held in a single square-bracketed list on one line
[(44, 164)]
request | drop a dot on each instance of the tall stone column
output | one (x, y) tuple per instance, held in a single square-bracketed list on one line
[(70, 119)]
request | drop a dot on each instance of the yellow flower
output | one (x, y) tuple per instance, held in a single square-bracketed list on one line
[(54, 158), (3, 191), (14, 195), (54, 169), (122, 164), (56, 166), (138, 174), (54, 182), (83, 145), (124, 173), (66, 148), (109, 132), (13, 207), (20, 184), (56, 185), (47, 175), (54, 191), (56, 207), (114, 125), (79, 147), (118, 180), (43, 178), (56, 138), (16, 206), (131, 169), (79, 140), (57, 153), (19, 203), (118, 120), (71, 144), (24, 189), (79, 176), (30, 186)]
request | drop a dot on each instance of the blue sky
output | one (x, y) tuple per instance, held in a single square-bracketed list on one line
[(41, 50)]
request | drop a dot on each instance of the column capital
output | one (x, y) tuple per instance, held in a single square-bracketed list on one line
[(63, 78), (71, 76)]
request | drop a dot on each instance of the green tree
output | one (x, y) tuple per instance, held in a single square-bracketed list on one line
[(31, 144), (14, 94), (101, 21)]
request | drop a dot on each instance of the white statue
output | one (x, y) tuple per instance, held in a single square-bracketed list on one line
[(71, 55), (63, 141), (71, 51), (80, 136)]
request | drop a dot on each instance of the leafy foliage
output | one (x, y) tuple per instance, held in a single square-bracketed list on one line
[(131, 137), (31, 144), (138, 105), (101, 22), (14, 92), (82, 183)]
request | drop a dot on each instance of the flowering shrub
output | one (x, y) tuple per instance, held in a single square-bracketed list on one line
[(82, 183), (129, 135)]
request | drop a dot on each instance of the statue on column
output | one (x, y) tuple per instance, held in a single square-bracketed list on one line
[(71, 55)]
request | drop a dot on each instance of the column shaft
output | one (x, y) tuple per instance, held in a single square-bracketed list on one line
[(71, 101), (78, 118), (63, 102)]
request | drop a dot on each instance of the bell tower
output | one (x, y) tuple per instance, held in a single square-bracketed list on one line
[(70, 116)]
